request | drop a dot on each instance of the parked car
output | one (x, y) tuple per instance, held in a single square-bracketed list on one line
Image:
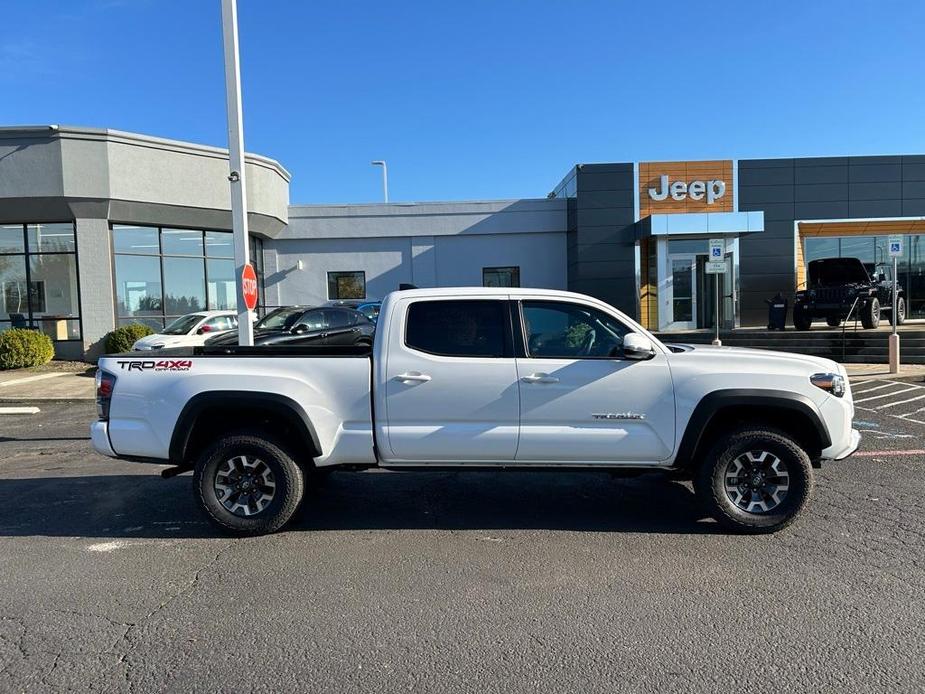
[(836, 285), (300, 325), (367, 307), (482, 379), (190, 330)]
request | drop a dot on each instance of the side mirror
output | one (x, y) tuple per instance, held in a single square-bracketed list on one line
[(882, 277), (637, 347), (299, 329)]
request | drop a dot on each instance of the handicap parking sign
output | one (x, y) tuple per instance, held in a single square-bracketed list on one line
[(895, 245), (717, 248)]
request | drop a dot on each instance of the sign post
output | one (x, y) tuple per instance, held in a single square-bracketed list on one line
[(716, 265), (895, 244), (236, 169)]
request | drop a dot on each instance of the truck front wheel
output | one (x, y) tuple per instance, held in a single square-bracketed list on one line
[(247, 485), (802, 320), (755, 481)]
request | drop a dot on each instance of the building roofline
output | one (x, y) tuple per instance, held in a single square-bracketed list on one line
[(138, 139)]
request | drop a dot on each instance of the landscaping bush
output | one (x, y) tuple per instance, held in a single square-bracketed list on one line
[(121, 339), (20, 348)]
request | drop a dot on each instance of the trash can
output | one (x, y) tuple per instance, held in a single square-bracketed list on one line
[(777, 312)]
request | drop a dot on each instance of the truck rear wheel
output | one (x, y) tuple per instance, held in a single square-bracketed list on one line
[(900, 311), (755, 481), (247, 485), (870, 314)]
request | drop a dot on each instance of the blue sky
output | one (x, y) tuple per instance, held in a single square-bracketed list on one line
[(477, 99)]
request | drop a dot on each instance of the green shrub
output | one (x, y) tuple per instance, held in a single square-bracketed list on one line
[(20, 348), (121, 339)]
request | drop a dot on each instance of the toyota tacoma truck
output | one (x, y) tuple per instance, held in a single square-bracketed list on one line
[(480, 379)]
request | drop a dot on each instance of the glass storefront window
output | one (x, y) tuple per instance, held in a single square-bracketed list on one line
[(181, 242), (184, 286), (872, 251), (51, 238), (165, 273), (38, 279), (11, 239), (221, 289), (219, 244), (138, 286), (137, 240)]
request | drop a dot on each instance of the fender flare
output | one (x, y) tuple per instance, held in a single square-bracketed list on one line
[(711, 403), (275, 403)]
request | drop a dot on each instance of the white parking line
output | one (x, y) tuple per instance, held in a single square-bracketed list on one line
[(19, 410), (29, 379), (888, 395), (871, 390), (901, 402)]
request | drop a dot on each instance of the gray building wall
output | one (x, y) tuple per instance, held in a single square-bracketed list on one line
[(431, 244), (790, 190), (96, 177), (601, 233)]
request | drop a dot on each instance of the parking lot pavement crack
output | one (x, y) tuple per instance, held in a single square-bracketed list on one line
[(132, 628), (18, 642)]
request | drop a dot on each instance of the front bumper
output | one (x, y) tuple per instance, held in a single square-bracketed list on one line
[(845, 451), (99, 437)]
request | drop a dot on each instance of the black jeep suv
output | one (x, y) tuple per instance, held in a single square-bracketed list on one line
[(833, 287)]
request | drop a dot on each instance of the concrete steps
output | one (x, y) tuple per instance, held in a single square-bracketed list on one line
[(854, 347)]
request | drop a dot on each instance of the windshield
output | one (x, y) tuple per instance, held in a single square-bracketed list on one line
[(279, 319), (183, 324), (833, 272)]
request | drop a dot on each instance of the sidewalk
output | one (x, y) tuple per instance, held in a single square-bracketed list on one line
[(27, 385), (863, 372)]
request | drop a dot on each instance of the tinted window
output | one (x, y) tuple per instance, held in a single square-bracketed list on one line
[(457, 328), (221, 323), (570, 331), (339, 319), (313, 320)]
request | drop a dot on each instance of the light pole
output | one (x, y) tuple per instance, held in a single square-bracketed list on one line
[(385, 177), (236, 165)]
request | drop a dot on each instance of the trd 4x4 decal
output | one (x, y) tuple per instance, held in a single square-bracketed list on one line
[(158, 365)]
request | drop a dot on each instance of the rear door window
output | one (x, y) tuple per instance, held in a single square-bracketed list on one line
[(464, 328)]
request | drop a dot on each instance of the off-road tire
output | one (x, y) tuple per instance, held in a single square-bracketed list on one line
[(833, 321), (287, 475), (900, 311), (870, 314), (802, 320), (710, 480)]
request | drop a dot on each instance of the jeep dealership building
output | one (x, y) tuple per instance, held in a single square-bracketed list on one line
[(100, 228)]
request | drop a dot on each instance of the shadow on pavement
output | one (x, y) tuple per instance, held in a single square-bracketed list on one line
[(146, 506)]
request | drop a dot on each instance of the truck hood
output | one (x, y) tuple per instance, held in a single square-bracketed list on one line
[(761, 360), (157, 341)]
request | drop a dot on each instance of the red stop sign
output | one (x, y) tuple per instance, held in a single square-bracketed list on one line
[(249, 287)]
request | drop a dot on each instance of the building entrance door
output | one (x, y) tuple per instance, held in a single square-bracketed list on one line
[(682, 292)]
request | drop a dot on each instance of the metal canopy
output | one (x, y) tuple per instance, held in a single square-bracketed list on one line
[(701, 224)]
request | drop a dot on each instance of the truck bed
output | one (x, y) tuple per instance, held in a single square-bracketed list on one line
[(330, 385)]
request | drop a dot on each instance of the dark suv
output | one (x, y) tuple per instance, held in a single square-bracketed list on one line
[(833, 287)]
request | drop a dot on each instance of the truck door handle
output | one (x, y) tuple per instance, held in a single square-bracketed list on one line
[(539, 378), (413, 376)]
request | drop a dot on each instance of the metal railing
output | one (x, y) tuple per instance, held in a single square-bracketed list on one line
[(845, 326)]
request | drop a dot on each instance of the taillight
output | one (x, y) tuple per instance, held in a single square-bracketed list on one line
[(105, 383)]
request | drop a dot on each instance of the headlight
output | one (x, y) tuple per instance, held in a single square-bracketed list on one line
[(831, 383)]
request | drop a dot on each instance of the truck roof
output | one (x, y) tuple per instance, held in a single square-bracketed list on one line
[(478, 291)]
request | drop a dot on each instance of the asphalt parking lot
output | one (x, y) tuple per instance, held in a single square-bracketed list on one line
[(502, 582)]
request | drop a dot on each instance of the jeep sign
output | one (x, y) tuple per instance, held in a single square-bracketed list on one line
[(713, 190)]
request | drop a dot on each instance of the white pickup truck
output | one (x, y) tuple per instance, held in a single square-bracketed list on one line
[(480, 379)]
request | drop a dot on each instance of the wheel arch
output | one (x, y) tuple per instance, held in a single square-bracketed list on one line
[(211, 413), (724, 410)]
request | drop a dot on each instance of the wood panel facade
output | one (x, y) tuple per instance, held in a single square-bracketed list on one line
[(687, 171)]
